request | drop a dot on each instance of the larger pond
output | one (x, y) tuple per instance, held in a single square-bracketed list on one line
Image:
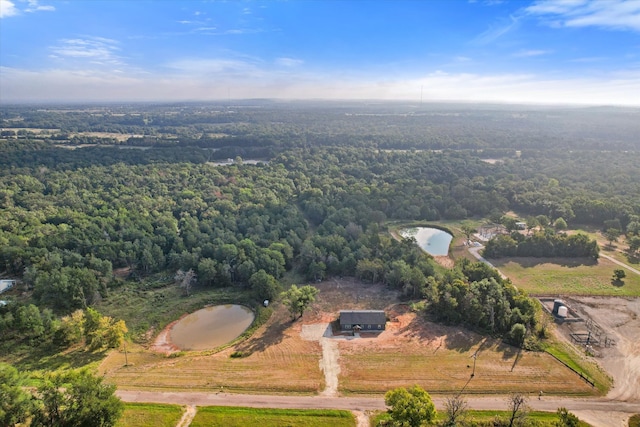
[(431, 240), (211, 327)]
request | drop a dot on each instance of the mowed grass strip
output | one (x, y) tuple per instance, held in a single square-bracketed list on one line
[(541, 419), (245, 417), (146, 414), (499, 369), (566, 276), (291, 366)]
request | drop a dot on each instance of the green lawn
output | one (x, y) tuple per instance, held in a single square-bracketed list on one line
[(147, 414), (245, 417), (567, 276)]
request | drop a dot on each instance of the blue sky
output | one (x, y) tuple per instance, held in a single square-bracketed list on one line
[(542, 51)]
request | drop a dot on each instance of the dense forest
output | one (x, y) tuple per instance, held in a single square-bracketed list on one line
[(142, 193)]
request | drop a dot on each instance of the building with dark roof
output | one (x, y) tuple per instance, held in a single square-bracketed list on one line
[(362, 320)]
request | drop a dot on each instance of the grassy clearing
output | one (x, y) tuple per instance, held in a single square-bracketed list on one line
[(568, 356), (566, 276), (146, 414), (447, 368), (241, 417), (541, 419), (634, 421)]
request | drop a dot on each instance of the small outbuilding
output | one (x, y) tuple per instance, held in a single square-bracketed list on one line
[(362, 320), (5, 285)]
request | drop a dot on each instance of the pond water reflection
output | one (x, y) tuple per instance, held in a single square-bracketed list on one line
[(431, 240), (211, 327)]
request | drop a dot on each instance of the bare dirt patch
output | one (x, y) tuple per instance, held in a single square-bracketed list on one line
[(616, 319)]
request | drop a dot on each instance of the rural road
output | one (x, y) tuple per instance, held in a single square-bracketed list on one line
[(605, 407), (475, 251)]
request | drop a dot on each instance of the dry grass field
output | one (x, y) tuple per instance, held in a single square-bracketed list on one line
[(410, 351), (440, 359), (279, 361)]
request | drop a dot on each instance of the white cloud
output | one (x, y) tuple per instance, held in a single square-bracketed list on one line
[(92, 48), (530, 53), (198, 79), (612, 14), (8, 8), (34, 6)]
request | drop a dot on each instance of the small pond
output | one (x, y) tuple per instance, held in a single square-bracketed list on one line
[(211, 327), (431, 240)]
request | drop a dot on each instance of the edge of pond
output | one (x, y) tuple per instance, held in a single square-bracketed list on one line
[(162, 343)]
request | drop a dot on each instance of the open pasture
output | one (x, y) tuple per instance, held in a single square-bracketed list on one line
[(567, 276)]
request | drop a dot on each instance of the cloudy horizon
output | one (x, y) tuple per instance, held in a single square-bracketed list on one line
[(544, 52)]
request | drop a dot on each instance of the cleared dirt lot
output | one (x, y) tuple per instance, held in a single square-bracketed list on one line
[(617, 319)]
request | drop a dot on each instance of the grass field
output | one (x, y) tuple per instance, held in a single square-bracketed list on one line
[(245, 417), (499, 369), (146, 414), (566, 276), (541, 419)]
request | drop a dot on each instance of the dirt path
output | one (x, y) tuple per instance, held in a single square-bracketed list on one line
[(329, 364), (187, 417), (621, 264), (362, 419)]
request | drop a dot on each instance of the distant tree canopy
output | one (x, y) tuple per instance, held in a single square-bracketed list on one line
[(329, 178)]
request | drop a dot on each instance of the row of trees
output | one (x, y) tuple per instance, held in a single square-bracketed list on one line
[(542, 244)]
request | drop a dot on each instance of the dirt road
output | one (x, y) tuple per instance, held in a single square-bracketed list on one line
[(599, 408)]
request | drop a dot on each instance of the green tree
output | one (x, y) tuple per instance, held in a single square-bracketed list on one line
[(634, 244), (517, 334), (567, 419), (612, 234), (16, 404), (560, 224), (619, 274), (298, 299), (410, 408), (264, 285), (84, 401), (467, 229)]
